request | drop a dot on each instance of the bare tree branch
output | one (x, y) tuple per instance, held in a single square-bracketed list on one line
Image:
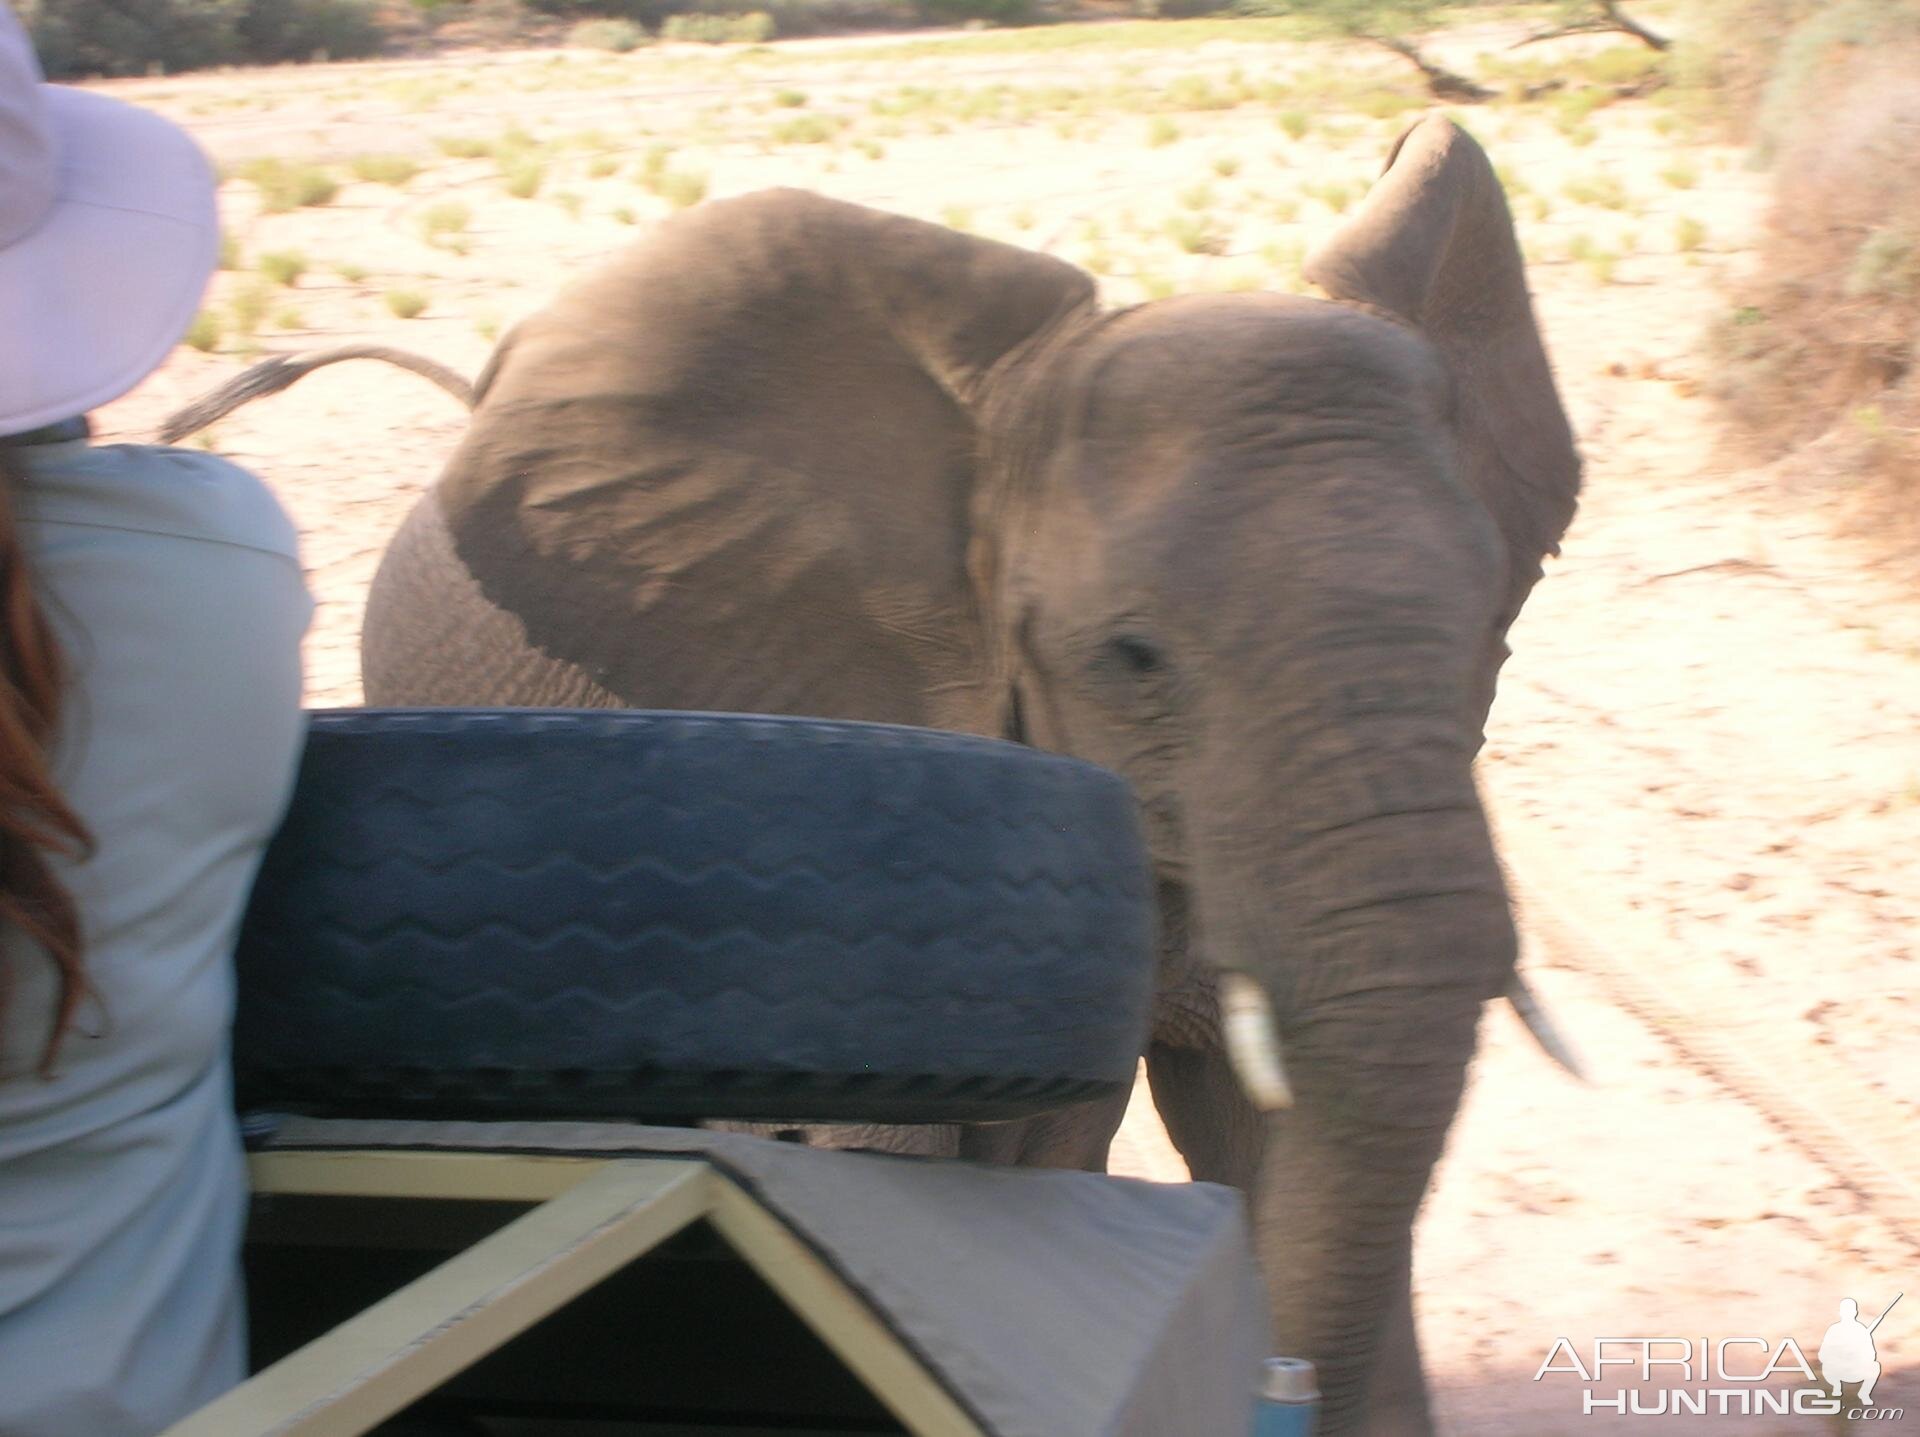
[(1442, 83), (1611, 20)]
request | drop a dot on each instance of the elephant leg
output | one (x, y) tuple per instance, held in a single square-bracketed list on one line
[(1207, 1116), (1075, 1137)]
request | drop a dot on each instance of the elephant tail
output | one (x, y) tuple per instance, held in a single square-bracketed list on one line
[(270, 376)]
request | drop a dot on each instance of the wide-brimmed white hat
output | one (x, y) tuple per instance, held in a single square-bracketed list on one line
[(108, 235)]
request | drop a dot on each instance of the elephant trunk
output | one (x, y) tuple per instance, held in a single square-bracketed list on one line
[(1377, 936)]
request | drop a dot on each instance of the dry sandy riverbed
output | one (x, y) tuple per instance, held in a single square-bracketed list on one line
[(1706, 754)]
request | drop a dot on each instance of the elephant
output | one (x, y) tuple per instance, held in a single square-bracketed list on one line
[(1257, 552)]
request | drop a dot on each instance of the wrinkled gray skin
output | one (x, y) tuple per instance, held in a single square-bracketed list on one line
[(1256, 552)]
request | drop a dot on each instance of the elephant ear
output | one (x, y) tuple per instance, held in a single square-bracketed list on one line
[(1434, 246), (734, 469)]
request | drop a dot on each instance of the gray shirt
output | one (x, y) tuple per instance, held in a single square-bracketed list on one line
[(172, 580)]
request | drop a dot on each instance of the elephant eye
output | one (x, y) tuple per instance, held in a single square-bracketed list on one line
[(1136, 655)]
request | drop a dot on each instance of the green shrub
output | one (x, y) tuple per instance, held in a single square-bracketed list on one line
[(808, 130), (1196, 234), (204, 333), (994, 12), (283, 267), (618, 36), (115, 37), (276, 31), (110, 37), (406, 303), (681, 188), (285, 186), (448, 217), (790, 99), (463, 147), (351, 273), (1886, 266), (1296, 123), (249, 306), (393, 170), (752, 28), (522, 175)]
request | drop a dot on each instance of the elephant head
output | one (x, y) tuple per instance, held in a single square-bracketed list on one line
[(1259, 553)]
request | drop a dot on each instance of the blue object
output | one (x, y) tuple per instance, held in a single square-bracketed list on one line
[(1288, 1403)]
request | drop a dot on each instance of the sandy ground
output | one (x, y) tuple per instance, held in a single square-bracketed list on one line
[(1706, 754)]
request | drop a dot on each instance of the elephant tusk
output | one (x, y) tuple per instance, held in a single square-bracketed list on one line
[(1253, 1044), (1541, 1027)]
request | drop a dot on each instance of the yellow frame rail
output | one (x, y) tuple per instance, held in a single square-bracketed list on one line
[(594, 1216)]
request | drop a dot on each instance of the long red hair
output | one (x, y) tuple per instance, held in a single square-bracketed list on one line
[(36, 821)]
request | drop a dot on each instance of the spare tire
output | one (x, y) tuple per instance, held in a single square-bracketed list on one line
[(541, 914)]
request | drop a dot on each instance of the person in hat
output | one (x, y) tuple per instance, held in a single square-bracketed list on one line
[(151, 611)]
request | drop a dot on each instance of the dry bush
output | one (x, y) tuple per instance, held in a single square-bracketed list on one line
[(1822, 341)]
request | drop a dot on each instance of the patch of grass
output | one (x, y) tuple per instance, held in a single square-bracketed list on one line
[(1688, 233), (1162, 131), (522, 175), (653, 164), (1606, 191), (351, 273), (601, 166), (623, 214), (230, 257), (1197, 197), (284, 185), (1296, 123), (1226, 166), (808, 130), (615, 36), (463, 147), (446, 218), (1196, 234), (290, 317), (957, 217), (1886, 266), (1336, 195), (248, 305), (681, 188), (790, 99), (283, 267), (1680, 175), (204, 333), (754, 28), (395, 170), (406, 303), (1198, 92)]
